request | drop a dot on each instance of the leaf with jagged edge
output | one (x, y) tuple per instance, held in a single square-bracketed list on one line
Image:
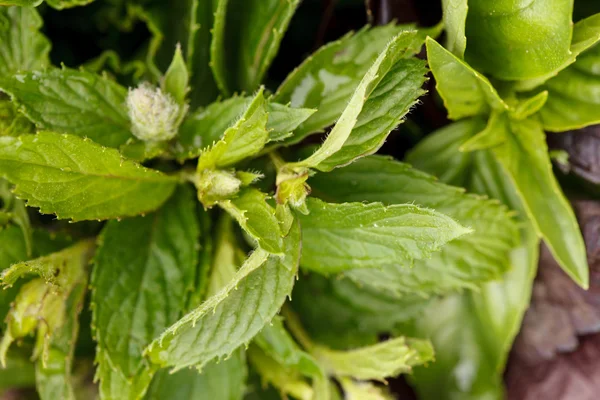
[(22, 46), (342, 131), (78, 179), (396, 234), (465, 92), (385, 109), (257, 217), (74, 102), (463, 263), (207, 125), (245, 138), (246, 37), (232, 317), (326, 80), (156, 253)]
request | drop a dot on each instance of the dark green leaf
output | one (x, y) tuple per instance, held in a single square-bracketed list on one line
[(246, 37), (74, 102), (22, 46), (233, 316), (143, 275)]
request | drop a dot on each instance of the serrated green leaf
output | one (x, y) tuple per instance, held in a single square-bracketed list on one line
[(496, 31), (465, 92), (22, 46), (152, 254), (397, 234), (224, 380), (245, 138), (206, 126), (246, 37), (74, 102), (355, 315), (341, 135), (78, 179), (251, 210), (385, 109), (327, 79), (574, 95), (524, 156), (377, 362), (463, 263), (244, 307), (455, 19)]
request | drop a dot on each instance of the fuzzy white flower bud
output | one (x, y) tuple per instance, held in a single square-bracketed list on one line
[(155, 115)]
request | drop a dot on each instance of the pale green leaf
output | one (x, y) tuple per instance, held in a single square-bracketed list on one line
[(224, 380), (22, 46), (246, 37), (206, 126), (529, 105), (574, 95), (16, 212), (343, 129), (376, 362), (515, 40), (226, 259), (245, 138), (21, 3), (74, 102), (78, 179), (257, 218), (465, 92), (339, 237), (524, 156), (232, 317), (62, 4), (327, 79), (463, 263), (144, 273), (455, 19), (354, 390), (177, 78)]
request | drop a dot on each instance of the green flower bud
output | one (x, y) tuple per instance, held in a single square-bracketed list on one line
[(155, 115)]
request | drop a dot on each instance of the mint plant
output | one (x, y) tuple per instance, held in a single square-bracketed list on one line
[(170, 230)]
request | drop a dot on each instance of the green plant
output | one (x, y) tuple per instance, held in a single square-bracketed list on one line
[(196, 207)]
